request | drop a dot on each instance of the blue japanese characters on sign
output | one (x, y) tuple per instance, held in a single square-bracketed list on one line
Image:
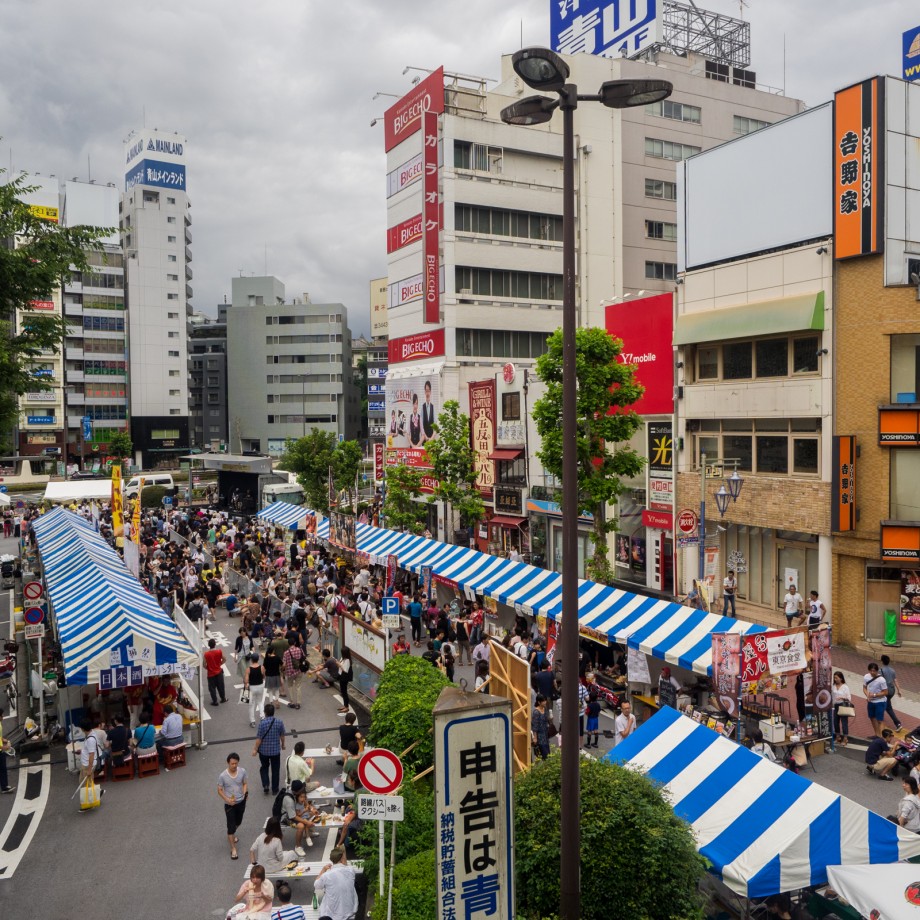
[(156, 173), (610, 28), (474, 824)]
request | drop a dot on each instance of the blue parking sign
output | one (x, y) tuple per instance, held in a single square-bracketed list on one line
[(391, 606)]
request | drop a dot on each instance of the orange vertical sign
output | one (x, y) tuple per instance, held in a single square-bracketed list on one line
[(859, 157), (843, 510)]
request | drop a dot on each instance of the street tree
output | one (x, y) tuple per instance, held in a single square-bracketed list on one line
[(310, 459), (121, 445), (607, 389), (346, 465), (35, 255), (401, 508), (453, 465), (638, 859)]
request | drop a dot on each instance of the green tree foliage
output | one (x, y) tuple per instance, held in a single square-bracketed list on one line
[(453, 464), (602, 445), (400, 510), (309, 458), (636, 853), (121, 445), (35, 255), (152, 496), (360, 382), (402, 712), (346, 464), (415, 894)]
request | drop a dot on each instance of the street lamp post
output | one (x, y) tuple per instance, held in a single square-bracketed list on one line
[(542, 69), (735, 482)]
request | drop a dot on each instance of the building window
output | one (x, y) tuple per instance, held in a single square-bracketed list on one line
[(679, 111), (173, 373), (495, 343), (213, 398), (669, 150), (170, 239), (173, 354), (772, 357), (660, 230), (170, 220), (659, 188), (172, 296), (761, 359), (707, 362), (771, 446), (173, 392), (905, 474), (497, 283), (661, 271), (171, 201), (715, 71), (175, 412), (499, 222), (172, 277), (741, 124), (511, 407), (480, 157), (213, 382), (905, 369), (171, 258)]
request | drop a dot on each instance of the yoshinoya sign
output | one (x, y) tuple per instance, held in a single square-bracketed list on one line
[(404, 118), (474, 822), (610, 28), (412, 347), (646, 327)]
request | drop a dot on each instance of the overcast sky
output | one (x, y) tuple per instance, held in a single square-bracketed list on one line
[(275, 100)]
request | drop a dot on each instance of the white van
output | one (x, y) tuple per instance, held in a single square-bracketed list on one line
[(150, 479)]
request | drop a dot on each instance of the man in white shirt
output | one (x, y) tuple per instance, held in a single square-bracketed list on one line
[(816, 611), (729, 587), (336, 883), (625, 723), (793, 606)]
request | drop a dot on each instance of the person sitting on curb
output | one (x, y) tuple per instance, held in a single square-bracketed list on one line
[(880, 759), (327, 673)]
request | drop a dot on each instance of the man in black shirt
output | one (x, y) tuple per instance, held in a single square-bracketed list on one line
[(544, 681), (880, 757), (348, 733)]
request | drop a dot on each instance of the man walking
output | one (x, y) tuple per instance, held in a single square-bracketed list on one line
[(793, 606), (214, 662), (270, 738), (892, 687), (729, 587), (336, 883)]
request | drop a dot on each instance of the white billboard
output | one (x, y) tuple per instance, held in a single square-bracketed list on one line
[(768, 189)]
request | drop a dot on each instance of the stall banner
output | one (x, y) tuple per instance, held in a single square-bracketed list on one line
[(859, 157), (342, 530), (136, 516), (482, 423), (425, 576), (910, 597), (431, 244), (392, 565), (786, 651), (118, 524), (823, 682), (667, 693), (726, 670), (378, 461), (637, 666), (552, 631)]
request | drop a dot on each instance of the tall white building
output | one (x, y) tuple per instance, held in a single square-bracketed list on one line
[(156, 236)]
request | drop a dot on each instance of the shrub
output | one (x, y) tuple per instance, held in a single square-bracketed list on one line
[(415, 894), (635, 852), (401, 714), (152, 496)]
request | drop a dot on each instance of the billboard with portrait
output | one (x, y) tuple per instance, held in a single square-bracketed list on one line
[(412, 406)]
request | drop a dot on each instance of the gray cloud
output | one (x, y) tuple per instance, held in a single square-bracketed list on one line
[(275, 100)]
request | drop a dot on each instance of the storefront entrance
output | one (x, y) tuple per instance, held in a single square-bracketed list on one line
[(796, 563)]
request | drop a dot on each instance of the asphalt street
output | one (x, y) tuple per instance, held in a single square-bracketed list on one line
[(157, 846)]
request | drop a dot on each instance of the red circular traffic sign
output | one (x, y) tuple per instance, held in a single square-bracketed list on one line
[(380, 771), (34, 615), (686, 521), (32, 590)]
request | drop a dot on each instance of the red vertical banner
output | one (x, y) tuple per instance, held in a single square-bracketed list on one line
[(378, 461), (392, 563), (430, 211), (482, 423), (823, 672), (726, 670)]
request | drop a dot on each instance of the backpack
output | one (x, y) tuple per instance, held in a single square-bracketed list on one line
[(278, 804)]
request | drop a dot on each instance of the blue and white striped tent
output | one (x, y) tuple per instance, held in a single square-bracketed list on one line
[(763, 828), (670, 632), (99, 606), (284, 514)]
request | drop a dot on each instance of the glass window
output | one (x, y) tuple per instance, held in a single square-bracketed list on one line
[(772, 357), (737, 361), (520, 345), (804, 455), (707, 445), (511, 407), (501, 344), (905, 495), (463, 217), (738, 447), (707, 362), (744, 125), (658, 188), (772, 455), (482, 221), (905, 368), (501, 223), (805, 355)]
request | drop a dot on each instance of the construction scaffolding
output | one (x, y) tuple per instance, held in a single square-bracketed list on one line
[(714, 36)]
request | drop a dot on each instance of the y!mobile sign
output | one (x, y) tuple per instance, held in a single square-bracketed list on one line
[(646, 327), (405, 117)]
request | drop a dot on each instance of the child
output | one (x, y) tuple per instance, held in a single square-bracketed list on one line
[(592, 712)]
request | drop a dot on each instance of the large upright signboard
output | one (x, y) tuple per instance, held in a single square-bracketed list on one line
[(911, 54), (610, 28), (474, 827), (859, 167), (155, 158)]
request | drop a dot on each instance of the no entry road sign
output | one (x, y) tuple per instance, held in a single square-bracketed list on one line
[(380, 771)]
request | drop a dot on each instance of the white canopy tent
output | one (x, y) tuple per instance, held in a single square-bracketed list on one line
[(78, 490)]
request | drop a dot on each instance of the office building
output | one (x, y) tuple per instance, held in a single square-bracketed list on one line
[(289, 368), (156, 238), (207, 387)]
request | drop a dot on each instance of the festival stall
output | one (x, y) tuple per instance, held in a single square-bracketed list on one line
[(764, 829)]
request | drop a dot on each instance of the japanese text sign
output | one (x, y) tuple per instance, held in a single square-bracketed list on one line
[(380, 807), (611, 28), (431, 211), (726, 665), (910, 597), (482, 423), (859, 156), (786, 651), (474, 825), (843, 492)]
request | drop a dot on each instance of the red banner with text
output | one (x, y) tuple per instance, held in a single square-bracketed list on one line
[(430, 211)]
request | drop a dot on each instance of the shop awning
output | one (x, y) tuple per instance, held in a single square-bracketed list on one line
[(100, 608), (507, 521), (763, 828), (284, 514), (767, 317), (502, 453), (892, 890)]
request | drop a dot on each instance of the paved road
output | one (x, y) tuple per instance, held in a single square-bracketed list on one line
[(157, 846)]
